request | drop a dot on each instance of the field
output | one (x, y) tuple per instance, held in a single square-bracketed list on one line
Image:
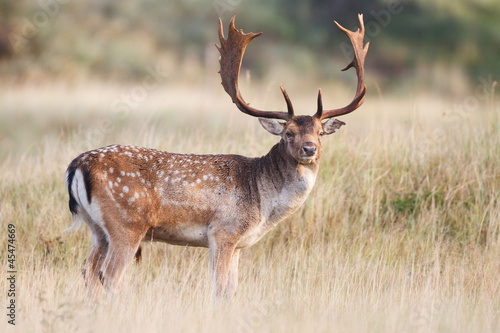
[(400, 234)]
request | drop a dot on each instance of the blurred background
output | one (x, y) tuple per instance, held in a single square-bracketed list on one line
[(401, 232), (416, 44), (86, 69)]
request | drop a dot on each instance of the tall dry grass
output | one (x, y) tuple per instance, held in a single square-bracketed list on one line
[(400, 234)]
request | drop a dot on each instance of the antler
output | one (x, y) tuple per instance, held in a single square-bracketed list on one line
[(231, 53), (358, 62)]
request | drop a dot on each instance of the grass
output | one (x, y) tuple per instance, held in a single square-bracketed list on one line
[(400, 234)]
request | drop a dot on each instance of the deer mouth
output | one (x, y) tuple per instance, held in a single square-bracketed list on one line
[(307, 159)]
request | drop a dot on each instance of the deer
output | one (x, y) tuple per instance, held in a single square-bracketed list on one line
[(127, 194)]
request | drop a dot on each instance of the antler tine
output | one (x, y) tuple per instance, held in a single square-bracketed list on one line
[(320, 104), (356, 38), (231, 53), (288, 102)]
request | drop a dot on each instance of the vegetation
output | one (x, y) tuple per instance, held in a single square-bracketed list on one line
[(430, 40), (402, 230), (401, 233)]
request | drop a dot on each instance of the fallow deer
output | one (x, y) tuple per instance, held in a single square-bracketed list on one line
[(128, 194)]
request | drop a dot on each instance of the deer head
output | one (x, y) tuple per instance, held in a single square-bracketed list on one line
[(301, 134)]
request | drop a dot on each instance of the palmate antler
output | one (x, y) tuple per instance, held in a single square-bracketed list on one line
[(233, 48), (231, 52), (356, 38)]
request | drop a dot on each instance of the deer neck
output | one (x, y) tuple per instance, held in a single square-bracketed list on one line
[(284, 184)]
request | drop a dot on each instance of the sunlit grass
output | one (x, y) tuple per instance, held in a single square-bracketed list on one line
[(401, 232)]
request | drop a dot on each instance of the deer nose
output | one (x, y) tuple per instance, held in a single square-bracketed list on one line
[(309, 148)]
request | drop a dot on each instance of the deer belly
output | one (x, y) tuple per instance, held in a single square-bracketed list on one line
[(185, 235)]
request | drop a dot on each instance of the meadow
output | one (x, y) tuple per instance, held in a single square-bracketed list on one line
[(400, 234)]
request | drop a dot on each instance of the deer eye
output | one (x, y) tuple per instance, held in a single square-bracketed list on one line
[(321, 133), (289, 135)]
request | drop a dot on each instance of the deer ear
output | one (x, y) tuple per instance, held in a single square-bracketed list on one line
[(331, 125), (272, 126)]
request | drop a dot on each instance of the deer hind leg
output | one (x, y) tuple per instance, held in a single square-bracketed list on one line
[(98, 251), (123, 245), (93, 265)]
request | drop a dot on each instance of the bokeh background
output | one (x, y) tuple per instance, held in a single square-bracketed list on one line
[(101, 54), (417, 44), (401, 232)]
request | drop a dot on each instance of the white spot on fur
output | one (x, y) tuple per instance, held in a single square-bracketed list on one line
[(125, 189)]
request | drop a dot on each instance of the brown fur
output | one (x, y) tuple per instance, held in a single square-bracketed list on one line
[(223, 202)]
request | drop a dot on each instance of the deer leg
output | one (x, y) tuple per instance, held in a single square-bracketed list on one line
[(232, 284), (121, 251), (93, 265), (98, 250), (219, 261)]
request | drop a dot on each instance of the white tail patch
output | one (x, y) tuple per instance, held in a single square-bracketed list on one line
[(92, 208)]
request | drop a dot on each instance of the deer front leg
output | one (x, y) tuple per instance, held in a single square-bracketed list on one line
[(219, 262), (232, 284)]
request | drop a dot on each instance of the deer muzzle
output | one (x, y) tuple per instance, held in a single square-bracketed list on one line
[(308, 152)]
